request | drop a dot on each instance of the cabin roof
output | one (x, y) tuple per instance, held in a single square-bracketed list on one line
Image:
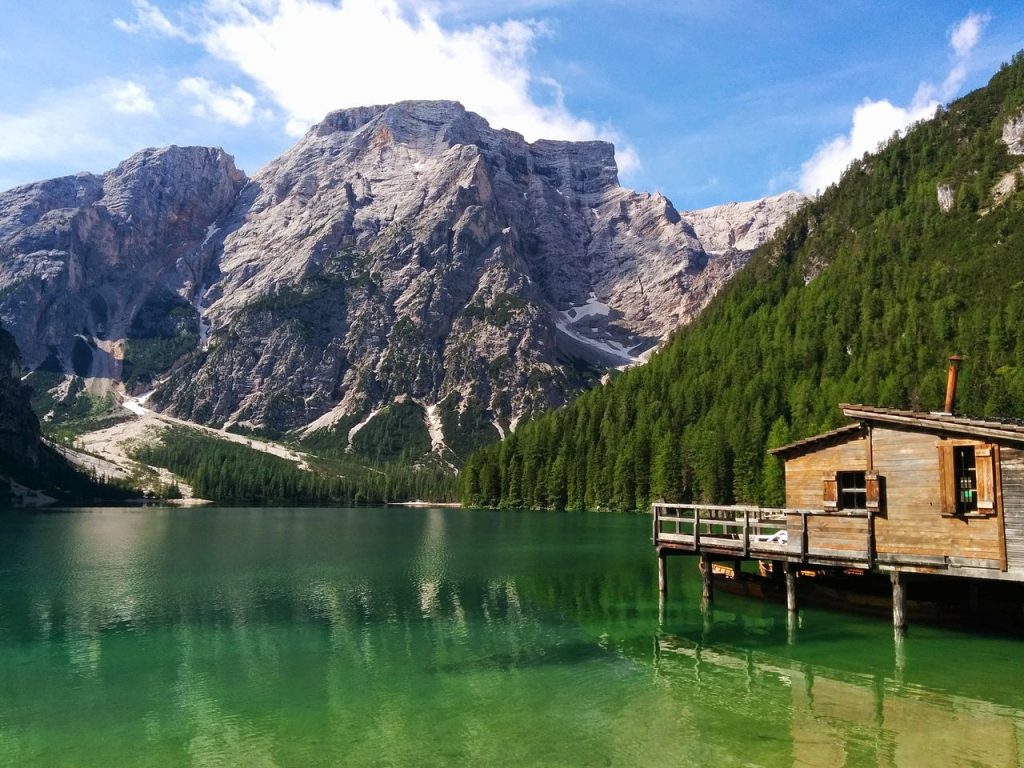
[(824, 437), (1005, 429)]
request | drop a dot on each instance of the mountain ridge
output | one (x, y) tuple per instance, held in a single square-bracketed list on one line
[(396, 251)]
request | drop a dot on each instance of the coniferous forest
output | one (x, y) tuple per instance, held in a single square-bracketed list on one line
[(861, 297), (232, 473)]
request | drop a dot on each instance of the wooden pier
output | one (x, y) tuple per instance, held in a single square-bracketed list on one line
[(790, 537)]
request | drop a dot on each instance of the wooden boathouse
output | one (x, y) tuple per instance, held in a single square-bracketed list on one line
[(895, 491)]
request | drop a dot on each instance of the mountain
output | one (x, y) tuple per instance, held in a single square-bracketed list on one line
[(405, 266), (32, 473), (89, 262), (915, 254), (19, 427)]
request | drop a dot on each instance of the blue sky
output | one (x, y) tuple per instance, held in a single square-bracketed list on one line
[(706, 101)]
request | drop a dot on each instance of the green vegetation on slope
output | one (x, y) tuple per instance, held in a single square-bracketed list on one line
[(228, 472), (25, 459), (860, 298), (164, 329)]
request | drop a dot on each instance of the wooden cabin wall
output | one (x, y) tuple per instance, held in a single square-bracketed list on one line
[(804, 489), (1011, 463), (911, 521)]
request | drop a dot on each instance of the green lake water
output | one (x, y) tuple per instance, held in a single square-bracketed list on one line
[(442, 637)]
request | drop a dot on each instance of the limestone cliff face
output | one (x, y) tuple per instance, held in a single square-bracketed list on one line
[(403, 252), (743, 227), (81, 255)]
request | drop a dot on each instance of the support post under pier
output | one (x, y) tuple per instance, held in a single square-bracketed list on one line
[(791, 604), (706, 573), (662, 574), (899, 601)]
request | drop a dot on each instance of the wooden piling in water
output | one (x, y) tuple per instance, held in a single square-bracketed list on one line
[(706, 573), (662, 574), (791, 604), (899, 601)]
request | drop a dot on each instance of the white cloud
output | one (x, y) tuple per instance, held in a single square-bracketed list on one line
[(227, 105), (131, 99), (312, 57), (967, 32), (58, 126), (149, 18), (875, 121)]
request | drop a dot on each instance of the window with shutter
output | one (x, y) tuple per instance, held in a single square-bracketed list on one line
[(830, 491), (967, 475), (986, 460), (947, 480), (965, 479)]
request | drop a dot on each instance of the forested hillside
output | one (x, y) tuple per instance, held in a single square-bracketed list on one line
[(25, 459), (917, 253), (230, 473)]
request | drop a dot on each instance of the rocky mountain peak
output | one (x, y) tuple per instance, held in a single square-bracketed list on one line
[(743, 226), (584, 168), (171, 179), (82, 255), (23, 206), (397, 258), (426, 126)]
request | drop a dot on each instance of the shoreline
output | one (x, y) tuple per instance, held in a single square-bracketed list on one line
[(418, 503)]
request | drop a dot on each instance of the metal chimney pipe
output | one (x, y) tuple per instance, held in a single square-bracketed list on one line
[(954, 367)]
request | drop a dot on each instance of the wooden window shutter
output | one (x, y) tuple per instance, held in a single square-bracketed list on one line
[(873, 486), (986, 464), (830, 489), (947, 480)]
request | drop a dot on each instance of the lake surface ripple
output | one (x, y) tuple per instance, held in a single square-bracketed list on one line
[(440, 637)]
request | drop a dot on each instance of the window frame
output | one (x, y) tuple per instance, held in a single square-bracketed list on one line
[(852, 483), (986, 479)]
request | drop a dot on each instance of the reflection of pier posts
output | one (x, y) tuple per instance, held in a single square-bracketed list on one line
[(899, 653)]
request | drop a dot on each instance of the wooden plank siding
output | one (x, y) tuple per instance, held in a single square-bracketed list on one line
[(1011, 463), (910, 520), (804, 486), (806, 489)]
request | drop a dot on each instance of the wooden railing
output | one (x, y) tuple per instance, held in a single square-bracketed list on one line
[(800, 535)]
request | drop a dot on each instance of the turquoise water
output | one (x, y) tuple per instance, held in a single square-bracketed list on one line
[(408, 637)]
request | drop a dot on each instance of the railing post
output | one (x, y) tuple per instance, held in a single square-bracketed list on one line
[(654, 530), (746, 533), (803, 537), (696, 529)]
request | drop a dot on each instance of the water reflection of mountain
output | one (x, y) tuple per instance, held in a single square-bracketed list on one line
[(273, 637)]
